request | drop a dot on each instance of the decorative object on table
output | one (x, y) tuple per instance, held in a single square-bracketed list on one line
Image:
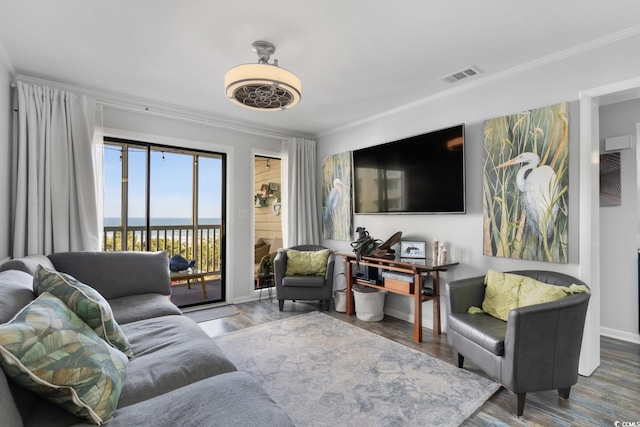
[(178, 263), (411, 249), (442, 256), (384, 250), (526, 185), (337, 210), (434, 251), (260, 201), (365, 244), (610, 181)]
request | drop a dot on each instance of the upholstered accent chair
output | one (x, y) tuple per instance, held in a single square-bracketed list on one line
[(536, 349), (297, 278)]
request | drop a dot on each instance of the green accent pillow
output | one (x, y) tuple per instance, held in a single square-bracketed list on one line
[(86, 303), (533, 292), (539, 292), (49, 350), (501, 294), (307, 263)]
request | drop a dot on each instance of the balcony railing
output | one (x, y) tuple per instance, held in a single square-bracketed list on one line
[(175, 239)]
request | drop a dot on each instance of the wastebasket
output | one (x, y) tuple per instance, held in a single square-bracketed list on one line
[(369, 304), (340, 298)]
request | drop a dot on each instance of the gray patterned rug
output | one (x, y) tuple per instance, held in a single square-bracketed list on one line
[(326, 372)]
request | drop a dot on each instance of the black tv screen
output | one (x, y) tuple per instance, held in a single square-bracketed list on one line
[(420, 174)]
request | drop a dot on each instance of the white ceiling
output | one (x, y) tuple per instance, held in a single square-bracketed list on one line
[(356, 58)]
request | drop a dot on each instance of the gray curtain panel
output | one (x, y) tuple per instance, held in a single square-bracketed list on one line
[(54, 206), (303, 222)]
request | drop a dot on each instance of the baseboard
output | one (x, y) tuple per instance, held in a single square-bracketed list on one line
[(620, 335), (407, 317)]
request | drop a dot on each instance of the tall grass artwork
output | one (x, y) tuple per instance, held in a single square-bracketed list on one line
[(526, 185), (336, 197)]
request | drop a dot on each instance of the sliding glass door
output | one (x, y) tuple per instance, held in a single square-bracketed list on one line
[(169, 199)]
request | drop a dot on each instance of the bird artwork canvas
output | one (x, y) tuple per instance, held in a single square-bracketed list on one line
[(526, 185), (337, 210)]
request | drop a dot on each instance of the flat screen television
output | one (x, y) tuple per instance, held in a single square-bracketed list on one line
[(423, 174)]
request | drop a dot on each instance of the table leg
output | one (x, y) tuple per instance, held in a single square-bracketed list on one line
[(436, 303), (417, 311), (204, 287), (348, 278)]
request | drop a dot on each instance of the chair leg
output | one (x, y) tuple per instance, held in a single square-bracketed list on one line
[(327, 305), (517, 402), (564, 392), (281, 304), (458, 359)]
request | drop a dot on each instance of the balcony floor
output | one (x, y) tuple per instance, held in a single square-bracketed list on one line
[(182, 296)]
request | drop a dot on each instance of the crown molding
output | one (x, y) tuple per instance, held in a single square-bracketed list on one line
[(6, 61), (537, 63), (140, 105)]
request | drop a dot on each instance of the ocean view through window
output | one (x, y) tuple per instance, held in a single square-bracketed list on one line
[(159, 198)]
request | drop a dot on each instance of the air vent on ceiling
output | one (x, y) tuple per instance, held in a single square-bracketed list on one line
[(462, 74)]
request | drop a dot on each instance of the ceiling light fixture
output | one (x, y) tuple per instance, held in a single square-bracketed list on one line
[(263, 86)]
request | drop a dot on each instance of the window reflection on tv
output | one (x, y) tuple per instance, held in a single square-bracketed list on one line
[(420, 174)]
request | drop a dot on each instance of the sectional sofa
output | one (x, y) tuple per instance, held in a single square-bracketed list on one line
[(177, 375)]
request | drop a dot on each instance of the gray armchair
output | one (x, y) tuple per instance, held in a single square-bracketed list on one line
[(303, 287), (537, 348)]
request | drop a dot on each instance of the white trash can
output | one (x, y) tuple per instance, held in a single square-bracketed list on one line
[(340, 298), (369, 304)]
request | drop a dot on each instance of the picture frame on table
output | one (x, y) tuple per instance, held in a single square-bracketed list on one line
[(412, 249)]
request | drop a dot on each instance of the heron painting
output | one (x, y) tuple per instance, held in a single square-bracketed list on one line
[(336, 197), (525, 185)]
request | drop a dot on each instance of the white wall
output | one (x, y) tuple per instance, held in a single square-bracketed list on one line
[(240, 150), (619, 230), (5, 158), (545, 82)]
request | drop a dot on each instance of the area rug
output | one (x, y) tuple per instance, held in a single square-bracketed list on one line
[(326, 372), (213, 313)]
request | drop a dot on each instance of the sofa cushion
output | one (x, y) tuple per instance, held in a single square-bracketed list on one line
[(16, 291), (232, 399), (303, 281), (171, 352), (307, 262), (8, 409), (85, 302), (28, 264), (117, 274), (487, 331), (48, 349), (144, 306)]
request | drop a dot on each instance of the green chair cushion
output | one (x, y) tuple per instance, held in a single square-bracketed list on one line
[(49, 350), (307, 263), (86, 303), (506, 291), (501, 294)]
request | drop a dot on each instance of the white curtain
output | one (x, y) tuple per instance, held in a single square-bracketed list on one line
[(303, 222), (53, 193)]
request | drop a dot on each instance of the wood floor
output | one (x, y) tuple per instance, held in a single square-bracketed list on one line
[(611, 393)]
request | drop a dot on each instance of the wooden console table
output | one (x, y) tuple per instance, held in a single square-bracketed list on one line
[(418, 271)]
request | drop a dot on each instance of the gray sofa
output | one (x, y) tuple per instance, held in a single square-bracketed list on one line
[(178, 377), (536, 349)]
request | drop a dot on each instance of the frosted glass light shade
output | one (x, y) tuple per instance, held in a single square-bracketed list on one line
[(263, 87)]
